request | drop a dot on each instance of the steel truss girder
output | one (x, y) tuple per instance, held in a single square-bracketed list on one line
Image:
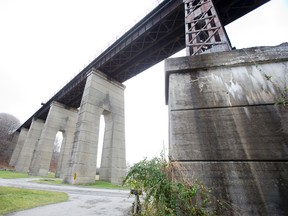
[(149, 42), (150, 51)]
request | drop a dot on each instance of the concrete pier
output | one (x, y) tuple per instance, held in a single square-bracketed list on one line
[(19, 145), (60, 118), (27, 151), (225, 128), (101, 96)]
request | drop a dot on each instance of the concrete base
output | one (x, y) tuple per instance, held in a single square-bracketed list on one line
[(225, 128)]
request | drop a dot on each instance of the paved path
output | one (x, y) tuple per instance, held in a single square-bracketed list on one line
[(82, 201)]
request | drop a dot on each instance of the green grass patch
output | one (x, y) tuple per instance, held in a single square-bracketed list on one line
[(10, 175), (17, 199), (50, 179), (105, 185), (97, 184)]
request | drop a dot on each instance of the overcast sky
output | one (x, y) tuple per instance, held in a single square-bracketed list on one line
[(45, 43)]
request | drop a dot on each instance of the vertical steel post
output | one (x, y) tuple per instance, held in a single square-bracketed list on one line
[(204, 31)]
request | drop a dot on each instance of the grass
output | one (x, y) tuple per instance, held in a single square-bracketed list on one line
[(105, 185), (16, 199), (97, 184), (56, 181), (11, 175)]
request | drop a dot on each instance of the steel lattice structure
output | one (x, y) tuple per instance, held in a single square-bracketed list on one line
[(203, 28)]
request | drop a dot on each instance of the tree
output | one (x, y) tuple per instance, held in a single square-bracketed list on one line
[(8, 125)]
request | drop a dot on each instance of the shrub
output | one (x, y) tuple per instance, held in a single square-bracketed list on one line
[(163, 196)]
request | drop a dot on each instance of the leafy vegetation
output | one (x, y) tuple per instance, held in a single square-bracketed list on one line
[(164, 196), (282, 93), (16, 199)]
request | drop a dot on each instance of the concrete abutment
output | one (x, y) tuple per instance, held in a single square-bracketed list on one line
[(225, 128)]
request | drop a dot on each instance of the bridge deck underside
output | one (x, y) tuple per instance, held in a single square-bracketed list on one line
[(157, 36)]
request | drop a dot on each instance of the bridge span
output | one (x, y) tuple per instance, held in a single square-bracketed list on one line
[(160, 34)]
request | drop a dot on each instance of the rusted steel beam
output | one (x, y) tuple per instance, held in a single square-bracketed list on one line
[(204, 31)]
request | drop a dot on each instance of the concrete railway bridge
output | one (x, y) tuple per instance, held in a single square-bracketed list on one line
[(97, 90), (223, 125)]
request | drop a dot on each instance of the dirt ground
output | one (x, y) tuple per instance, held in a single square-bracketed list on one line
[(5, 166)]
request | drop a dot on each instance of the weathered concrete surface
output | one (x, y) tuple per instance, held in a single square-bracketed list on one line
[(60, 118), (248, 187), (236, 133), (27, 151), (225, 128), (19, 146), (101, 96)]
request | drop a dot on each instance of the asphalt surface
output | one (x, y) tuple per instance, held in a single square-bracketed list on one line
[(82, 201)]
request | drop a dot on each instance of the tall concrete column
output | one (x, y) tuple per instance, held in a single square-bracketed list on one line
[(113, 161), (60, 118), (101, 96), (67, 143), (226, 130), (19, 146), (26, 154)]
